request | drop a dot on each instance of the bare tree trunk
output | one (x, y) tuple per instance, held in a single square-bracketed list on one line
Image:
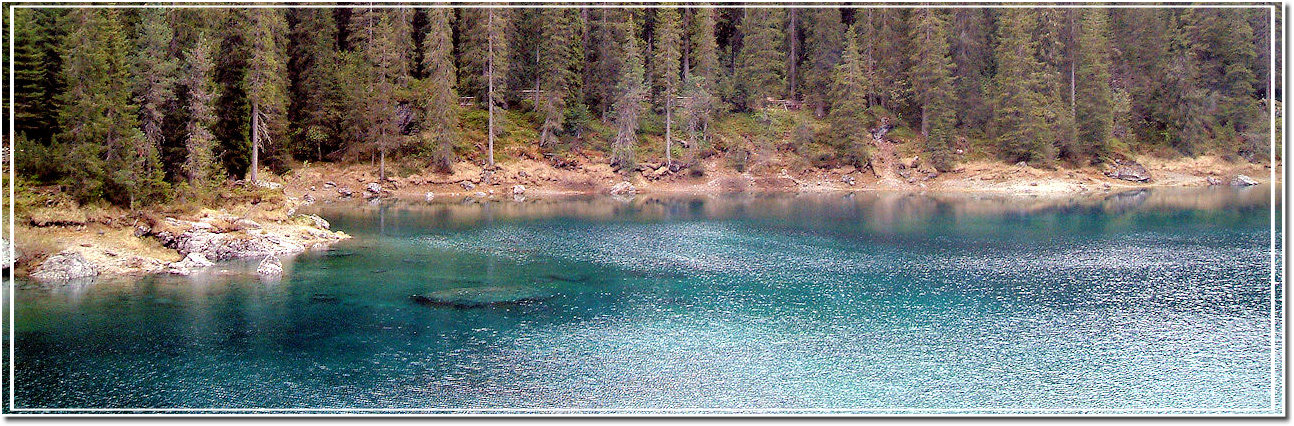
[(669, 138), (256, 138), (489, 78)]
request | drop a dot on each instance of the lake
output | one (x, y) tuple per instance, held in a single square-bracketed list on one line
[(1147, 302)]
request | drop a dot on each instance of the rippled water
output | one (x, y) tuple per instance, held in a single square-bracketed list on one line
[(1157, 301)]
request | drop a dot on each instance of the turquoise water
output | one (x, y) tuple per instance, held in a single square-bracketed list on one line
[(1149, 302)]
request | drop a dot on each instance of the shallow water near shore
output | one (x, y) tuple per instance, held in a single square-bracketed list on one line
[(1154, 301)]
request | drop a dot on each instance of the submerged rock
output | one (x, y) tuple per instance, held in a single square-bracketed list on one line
[(1242, 180), (483, 297), (66, 265), (270, 267)]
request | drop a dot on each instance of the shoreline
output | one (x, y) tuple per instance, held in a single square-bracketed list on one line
[(167, 244)]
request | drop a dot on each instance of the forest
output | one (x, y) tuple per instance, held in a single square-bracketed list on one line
[(135, 106)]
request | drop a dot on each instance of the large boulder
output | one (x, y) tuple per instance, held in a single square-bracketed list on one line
[(316, 221), (373, 189), (518, 190), (1130, 171), (192, 263), (270, 267), (66, 265), (225, 246), (1242, 180)]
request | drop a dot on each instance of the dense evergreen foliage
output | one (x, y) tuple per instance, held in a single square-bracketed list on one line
[(137, 105)]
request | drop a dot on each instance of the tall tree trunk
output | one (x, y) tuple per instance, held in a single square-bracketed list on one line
[(256, 138), (489, 78), (669, 138)]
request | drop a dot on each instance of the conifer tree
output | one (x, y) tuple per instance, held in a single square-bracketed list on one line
[(1020, 92), (824, 39), (932, 83), (315, 90), (666, 61), (496, 67), (1093, 108), (972, 59), (199, 165), (761, 72), (850, 86), (154, 72), (630, 94), (29, 74), (440, 102), (560, 57), (265, 79)]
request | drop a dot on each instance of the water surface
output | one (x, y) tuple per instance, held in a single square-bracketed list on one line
[(1147, 302)]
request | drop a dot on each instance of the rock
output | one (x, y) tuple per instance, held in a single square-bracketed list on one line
[(849, 179), (66, 265), (243, 224), (480, 194), (308, 199), (1213, 181), (624, 188), (1129, 171), (312, 188), (270, 267), (6, 262), (518, 189), (483, 297), (373, 188), (430, 196), (268, 184), (1242, 180), (189, 265), (233, 245), (523, 174), (468, 185), (345, 192), (317, 222), (1022, 164), (329, 185)]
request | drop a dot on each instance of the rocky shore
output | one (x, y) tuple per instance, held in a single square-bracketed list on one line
[(187, 246)]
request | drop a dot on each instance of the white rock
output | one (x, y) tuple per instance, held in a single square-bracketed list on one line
[(66, 265), (268, 184), (270, 267), (518, 189), (624, 188), (1242, 180), (189, 265), (373, 188), (430, 195), (318, 222)]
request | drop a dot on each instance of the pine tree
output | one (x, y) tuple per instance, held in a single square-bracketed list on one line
[(1019, 99), (496, 67), (29, 73), (108, 156), (200, 166), (315, 90), (850, 86), (440, 103), (824, 39), (760, 70), (560, 57), (972, 59), (630, 94), (1093, 108), (265, 79), (666, 62), (932, 83), (705, 49), (155, 74)]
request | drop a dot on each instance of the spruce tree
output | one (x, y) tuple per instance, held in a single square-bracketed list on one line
[(154, 72), (29, 74), (199, 166), (496, 68), (761, 73), (824, 39), (972, 60), (932, 83), (439, 101), (265, 79), (630, 94), (850, 86), (1093, 108), (315, 89), (1020, 91), (560, 56), (666, 62)]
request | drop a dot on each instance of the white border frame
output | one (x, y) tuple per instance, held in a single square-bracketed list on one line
[(1277, 408)]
